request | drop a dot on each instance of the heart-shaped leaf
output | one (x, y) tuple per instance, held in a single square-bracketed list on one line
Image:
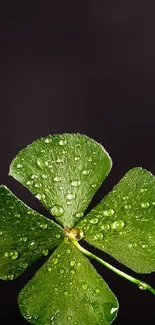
[(68, 290), (123, 224), (63, 172), (25, 235)]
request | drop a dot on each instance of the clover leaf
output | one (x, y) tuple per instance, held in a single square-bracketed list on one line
[(64, 172)]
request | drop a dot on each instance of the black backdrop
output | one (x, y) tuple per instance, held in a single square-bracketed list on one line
[(87, 67)]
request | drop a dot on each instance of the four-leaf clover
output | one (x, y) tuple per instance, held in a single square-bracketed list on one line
[(64, 172)]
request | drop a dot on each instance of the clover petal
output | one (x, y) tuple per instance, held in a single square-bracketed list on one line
[(63, 172), (67, 290), (25, 235), (123, 224)]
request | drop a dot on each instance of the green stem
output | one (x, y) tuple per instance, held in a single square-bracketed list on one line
[(142, 285)]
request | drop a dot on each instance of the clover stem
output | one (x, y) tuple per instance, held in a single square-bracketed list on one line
[(142, 285)]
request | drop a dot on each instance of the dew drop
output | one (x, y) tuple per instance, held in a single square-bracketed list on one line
[(13, 254), (72, 272), (144, 245), (118, 225), (62, 142), (145, 205), (55, 261), (32, 245), (100, 236), (86, 172), (38, 196), (142, 190), (49, 269), (25, 265), (70, 196), (97, 290), (93, 185), (109, 213), (57, 179), (78, 264), (75, 183), (34, 176), (72, 263), (105, 227), (59, 160), (44, 176), (79, 215), (84, 286), (58, 236), (142, 285), (76, 158), (110, 311), (68, 251), (28, 183), (10, 277), (1, 232), (19, 166), (127, 206), (43, 226), (45, 252), (94, 221), (37, 185), (47, 140), (39, 163), (57, 210), (62, 271), (69, 318)]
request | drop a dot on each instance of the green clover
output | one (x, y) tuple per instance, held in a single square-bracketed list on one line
[(64, 172)]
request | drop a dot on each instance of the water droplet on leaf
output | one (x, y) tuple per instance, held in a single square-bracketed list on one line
[(57, 210), (110, 311), (32, 245), (79, 215), (62, 271), (145, 205), (109, 213), (84, 286), (70, 196), (118, 225), (44, 176), (94, 221), (57, 179), (43, 226), (45, 252), (58, 236), (38, 196), (85, 172), (19, 166), (105, 227), (55, 261), (72, 263), (10, 277), (75, 183)]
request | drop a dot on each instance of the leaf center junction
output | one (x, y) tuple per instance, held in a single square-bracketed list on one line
[(74, 233)]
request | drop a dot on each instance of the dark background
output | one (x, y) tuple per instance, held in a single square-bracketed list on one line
[(87, 67)]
